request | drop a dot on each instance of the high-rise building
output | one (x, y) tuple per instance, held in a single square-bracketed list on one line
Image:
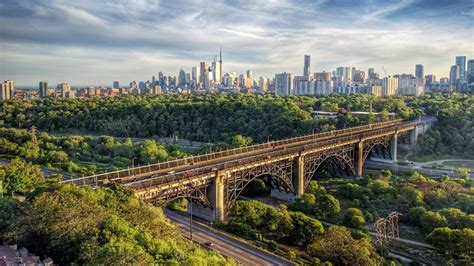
[(454, 74), (116, 84), (4, 94), (347, 74), (8, 90), (307, 66), (389, 86), (370, 73), (204, 71), (65, 90), (263, 84), (182, 78), (220, 64), (43, 89), (470, 71), (196, 74), (283, 84), (444, 80), (249, 74), (461, 63), (419, 71), (376, 90), (322, 75), (216, 68), (430, 79)]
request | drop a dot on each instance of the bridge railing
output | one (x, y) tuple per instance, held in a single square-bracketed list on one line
[(181, 177), (135, 171)]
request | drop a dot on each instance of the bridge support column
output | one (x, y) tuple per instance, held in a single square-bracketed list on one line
[(413, 137), (393, 148), (299, 188), (359, 158), (217, 197)]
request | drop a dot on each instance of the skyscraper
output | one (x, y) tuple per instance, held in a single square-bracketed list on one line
[(182, 78), (419, 71), (470, 71), (249, 74), (370, 73), (9, 89), (116, 84), (307, 66), (454, 74), (283, 84), (203, 70), (4, 95), (461, 63), (389, 86), (43, 89), (196, 74), (220, 64), (65, 90)]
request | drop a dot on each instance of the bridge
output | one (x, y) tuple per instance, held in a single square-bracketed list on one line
[(214, 181)]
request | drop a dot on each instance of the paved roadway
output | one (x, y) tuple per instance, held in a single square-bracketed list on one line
[(407, 168), (46, 172), (226, 245), (277, 147)]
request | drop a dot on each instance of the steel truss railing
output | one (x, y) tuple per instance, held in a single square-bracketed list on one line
[(99, 179)]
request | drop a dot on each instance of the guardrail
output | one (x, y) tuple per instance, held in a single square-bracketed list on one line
[(216, 155), (181, 177)]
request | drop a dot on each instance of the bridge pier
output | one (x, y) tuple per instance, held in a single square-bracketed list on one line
[(359, 159), (299, 176), (217, 197), (393, 148)]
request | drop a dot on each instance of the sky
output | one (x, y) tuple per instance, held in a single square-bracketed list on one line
[(90, 42)]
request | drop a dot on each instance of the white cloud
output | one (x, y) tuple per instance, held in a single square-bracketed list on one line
[(88, 42)]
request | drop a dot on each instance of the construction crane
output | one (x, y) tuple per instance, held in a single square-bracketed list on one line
[(385, 72)]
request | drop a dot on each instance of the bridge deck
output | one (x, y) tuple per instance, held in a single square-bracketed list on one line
[(197, 165)]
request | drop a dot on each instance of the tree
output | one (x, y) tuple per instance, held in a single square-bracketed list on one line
[(327, 206), (459, 242), (315, 188), (151, 152), (338, 247), (241, 141), (415, 214), (431, 220), (354, 218), (411, 196), (81, 225), (20, 176), (463, 172), (305, 229)]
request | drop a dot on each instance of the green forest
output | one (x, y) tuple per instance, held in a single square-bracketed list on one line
[(207, 118)]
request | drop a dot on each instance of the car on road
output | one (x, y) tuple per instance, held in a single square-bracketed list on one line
[(209, 244)]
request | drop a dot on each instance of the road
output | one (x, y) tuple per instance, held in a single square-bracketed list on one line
[(407, 168), (187, 145), (46, 172), (226, 245)]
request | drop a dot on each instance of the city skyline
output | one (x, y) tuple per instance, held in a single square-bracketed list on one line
[(86, 44)]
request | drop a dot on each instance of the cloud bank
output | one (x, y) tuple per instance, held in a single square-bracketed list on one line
[(96, 42)]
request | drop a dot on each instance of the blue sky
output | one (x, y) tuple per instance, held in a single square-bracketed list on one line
[(96, 42)]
